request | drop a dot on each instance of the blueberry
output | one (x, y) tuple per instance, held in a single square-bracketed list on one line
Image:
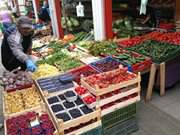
[(69, 94), (79, 101), (53, 100), (63, 116), (75, 113), (57, 108), (68, 104), (86, 110), (61, 97)]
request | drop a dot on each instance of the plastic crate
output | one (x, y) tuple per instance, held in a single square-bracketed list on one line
[(84, 70), (122, 128), (95, 131), (107, 64), (118, 116)]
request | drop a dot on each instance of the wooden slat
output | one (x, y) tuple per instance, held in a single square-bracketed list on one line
[(86, 128), (162, 79), (151, 81), (118, 96), (120, 105), (98, 92)]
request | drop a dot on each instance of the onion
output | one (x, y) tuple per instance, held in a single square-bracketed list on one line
[(11, 86), (19, 77), (4, 79), (18, 82), (11, 80)]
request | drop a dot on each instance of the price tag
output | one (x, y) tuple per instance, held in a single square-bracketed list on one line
[(80, 10), (34, 123)]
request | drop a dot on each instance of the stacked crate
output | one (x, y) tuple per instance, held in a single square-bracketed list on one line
[(118, 104), (67, 121)]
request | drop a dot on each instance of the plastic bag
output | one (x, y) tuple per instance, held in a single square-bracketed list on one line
[(143, 6)]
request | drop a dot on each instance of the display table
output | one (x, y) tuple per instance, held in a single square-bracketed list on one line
[(154, 68), (172, 72), (168, 76)]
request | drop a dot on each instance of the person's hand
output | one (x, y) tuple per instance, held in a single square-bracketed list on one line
[(30, 66)]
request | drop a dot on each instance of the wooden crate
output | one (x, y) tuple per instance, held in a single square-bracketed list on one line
[(97, 91), (120, 105), (62, 126), (118, 96), (8, 115), (42, 109), (126, 89)]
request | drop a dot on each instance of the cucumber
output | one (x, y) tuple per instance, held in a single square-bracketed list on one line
[(122, 56)]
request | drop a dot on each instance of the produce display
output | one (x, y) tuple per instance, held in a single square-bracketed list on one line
[(82, 71), (134, 61), (19, 101), (42, 41), (131, 42), (68, 63), (42, 51), (158, 51), (73, 52), (70, 96), (16, 81), (21, 125), (86, 97), (106, 64), (124, 28), (45, 70), (62, 61), (56, 83), (98, 48), (83, 36), (171, 38), (90, 101), (66, 110), (85, 45), (104, 80), (103, 48), (69, 23), (129, 58)]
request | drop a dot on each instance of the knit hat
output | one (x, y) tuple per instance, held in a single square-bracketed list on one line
[(25, 22)]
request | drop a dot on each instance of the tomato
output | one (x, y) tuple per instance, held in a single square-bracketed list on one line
[(89, 99), (81, 90)]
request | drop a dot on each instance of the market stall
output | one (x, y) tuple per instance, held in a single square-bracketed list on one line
[(64, 94), (85, 85)]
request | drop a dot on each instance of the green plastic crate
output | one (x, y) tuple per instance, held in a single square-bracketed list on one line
[(95, 131), (120, 115), (122, 128)]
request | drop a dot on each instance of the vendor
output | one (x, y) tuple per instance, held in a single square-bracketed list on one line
[(44, 13), (16, 46)]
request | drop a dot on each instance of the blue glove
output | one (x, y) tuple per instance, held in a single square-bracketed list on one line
[(30, 66)]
